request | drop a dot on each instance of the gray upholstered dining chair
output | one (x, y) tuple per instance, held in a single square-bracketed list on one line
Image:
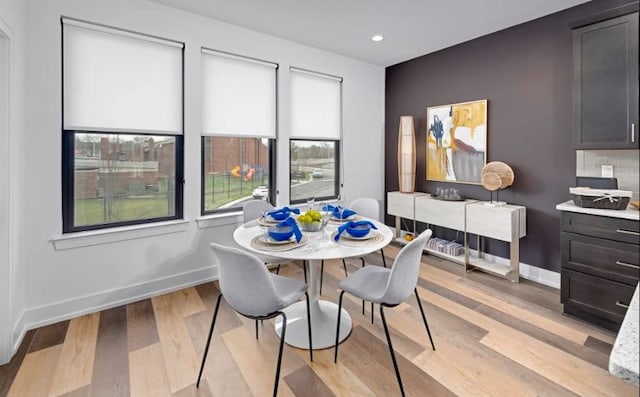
[(388, 288), (252, 291), (369, 208), (254, 209)]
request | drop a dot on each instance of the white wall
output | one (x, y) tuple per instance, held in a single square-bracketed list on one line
[(12, 39), (63, 283)]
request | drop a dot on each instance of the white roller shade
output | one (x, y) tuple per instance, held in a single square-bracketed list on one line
[(120, 81), (238, 97), (315, 105)]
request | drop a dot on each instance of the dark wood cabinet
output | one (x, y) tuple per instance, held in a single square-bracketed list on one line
[(600, 267), (605, 84)]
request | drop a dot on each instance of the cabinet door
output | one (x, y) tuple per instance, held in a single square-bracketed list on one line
[(617, 229), (595, 299), (605, 83), (602, 258)]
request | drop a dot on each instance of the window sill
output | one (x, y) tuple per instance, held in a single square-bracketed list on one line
[(106, 236), (216, 220)]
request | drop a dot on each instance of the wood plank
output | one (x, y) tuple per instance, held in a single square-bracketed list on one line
[(304, 382), (227, 317), (338, 377), (269, 343), (369, 359), (111, 366), (257, 368), (192, 391), (75, 366), (36, 373), (529, 352), (597, 344), (466, 373), (9, 371), (451, 333), (147, 373), (180, 358), (540, 299), (560, 367), (189, 301), (221, 374), (445, 279), (84, 391), (141, 325), (50, 335), (590, 355)]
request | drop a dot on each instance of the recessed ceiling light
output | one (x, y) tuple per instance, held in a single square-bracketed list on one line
[(377, 38)]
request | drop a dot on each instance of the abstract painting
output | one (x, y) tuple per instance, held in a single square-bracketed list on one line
[(457, 142)]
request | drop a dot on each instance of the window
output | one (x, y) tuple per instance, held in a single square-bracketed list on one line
[(313, 171), (235, 170), (122, 144), (316, 121), (239, 129)]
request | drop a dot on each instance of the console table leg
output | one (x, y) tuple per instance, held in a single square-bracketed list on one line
[(514, 253)]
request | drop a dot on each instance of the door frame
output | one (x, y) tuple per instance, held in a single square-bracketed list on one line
[(6, 246)]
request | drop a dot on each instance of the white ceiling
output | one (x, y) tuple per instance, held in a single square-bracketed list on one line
[(411, 28)]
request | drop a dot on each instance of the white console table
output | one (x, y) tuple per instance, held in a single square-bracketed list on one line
[(505, 223)]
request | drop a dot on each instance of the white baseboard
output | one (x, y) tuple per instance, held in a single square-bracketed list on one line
[(19, 330), (65, 310)]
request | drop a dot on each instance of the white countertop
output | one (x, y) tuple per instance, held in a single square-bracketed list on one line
[(629, 213), (623, 361)]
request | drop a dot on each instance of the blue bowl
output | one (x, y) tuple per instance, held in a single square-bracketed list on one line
[(359, 231), (280, 216), (280, 233)]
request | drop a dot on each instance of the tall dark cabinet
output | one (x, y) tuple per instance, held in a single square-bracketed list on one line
[(605, 82)]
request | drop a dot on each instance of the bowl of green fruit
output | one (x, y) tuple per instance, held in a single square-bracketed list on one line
[(310, 221)]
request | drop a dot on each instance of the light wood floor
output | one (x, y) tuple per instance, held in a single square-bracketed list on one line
[(493, 338)]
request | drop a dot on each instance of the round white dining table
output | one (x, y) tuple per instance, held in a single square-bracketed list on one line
[(320, 246)]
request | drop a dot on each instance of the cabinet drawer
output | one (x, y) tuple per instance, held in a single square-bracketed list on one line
[(400, 204), (450, 214), (623, 230), (596, 299), (506, 223), (612, 260)]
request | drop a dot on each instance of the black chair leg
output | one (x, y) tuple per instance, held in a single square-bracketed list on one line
[(304, 270), (278, 269), (393, 356), (321, 275), (344, 265), (371, 312), (362, 259), (309, 328), (384, 261), (206, 348), (335, 354), (284, 331), (257, 329), (424, 318)]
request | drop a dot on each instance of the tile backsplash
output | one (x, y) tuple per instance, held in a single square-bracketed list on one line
[(625, 166)]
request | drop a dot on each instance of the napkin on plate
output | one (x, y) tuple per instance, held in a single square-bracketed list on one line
[(344, 227), (337, 210), (296, 230), (284, 210)]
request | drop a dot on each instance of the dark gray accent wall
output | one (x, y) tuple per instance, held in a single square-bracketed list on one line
[(525, 74)]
